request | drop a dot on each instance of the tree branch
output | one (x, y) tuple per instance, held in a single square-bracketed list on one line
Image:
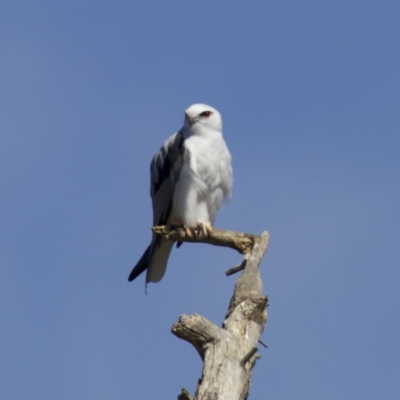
[(242, 242), (229, 353)]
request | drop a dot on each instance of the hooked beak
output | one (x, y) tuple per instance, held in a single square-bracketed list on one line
[(191, 120)]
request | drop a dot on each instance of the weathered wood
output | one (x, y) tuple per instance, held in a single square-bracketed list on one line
[(185, 395), (242, 242), (229, 353)]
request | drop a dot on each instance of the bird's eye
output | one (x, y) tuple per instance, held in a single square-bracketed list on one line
[(206, 114)]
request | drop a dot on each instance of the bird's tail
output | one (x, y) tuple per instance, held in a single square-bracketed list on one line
[(154, 259), (158, 260), (141, 265)]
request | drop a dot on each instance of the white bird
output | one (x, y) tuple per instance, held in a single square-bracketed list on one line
[(190, 177)]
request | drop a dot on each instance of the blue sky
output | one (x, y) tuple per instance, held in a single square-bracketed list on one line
[(310, 96)]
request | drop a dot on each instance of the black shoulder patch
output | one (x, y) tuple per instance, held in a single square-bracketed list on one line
[(173, 159)]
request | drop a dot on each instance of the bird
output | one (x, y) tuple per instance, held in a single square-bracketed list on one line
[(190, 177)]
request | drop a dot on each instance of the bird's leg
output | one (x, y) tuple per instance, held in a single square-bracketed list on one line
[(192, 231), (209, 228), (189, 231), (201, 227), (205, 227)]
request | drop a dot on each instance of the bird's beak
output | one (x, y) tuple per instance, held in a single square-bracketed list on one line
[(191, 120)]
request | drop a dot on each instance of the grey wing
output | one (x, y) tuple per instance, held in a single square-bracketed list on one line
[(164, 174)]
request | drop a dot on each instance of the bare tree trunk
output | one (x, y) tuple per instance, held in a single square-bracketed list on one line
[(229, 353)]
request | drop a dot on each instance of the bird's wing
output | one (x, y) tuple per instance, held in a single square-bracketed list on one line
[(164, 174), (165, 169)]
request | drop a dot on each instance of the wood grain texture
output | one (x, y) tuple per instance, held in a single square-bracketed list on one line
[(228, 353)]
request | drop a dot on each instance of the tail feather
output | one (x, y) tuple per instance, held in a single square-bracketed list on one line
[(154, 259), (141, 265), (158, 260)]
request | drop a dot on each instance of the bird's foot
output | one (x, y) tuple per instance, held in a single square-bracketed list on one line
[(190, 231), (205, 227)]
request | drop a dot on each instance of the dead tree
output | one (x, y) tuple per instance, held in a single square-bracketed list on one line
[(228, 353)]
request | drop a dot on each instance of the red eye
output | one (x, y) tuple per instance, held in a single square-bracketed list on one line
[(206, 114)]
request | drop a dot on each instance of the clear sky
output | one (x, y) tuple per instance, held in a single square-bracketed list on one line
[(309, 92)]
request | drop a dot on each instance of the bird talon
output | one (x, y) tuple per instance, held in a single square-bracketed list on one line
[(205, 228), (188, 232)]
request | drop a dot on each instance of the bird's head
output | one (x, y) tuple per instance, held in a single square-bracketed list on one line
[(202, 116)]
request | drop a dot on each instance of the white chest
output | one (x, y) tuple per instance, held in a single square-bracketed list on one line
[(206, 158)]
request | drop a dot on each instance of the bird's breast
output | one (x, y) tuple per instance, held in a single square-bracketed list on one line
[(207, 158)]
